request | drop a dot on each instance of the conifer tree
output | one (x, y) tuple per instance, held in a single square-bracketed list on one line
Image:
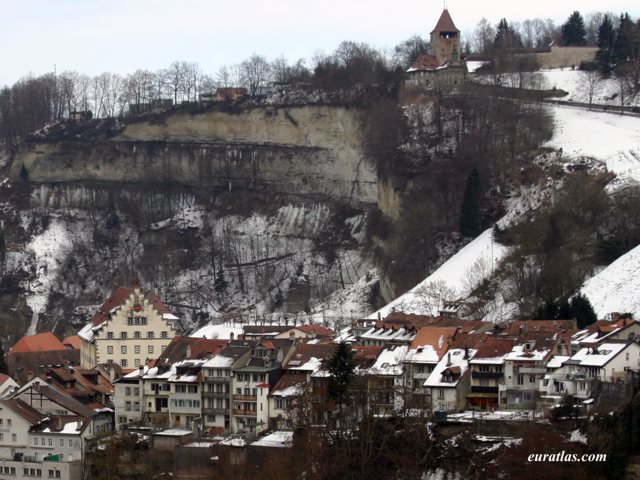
[(470, 218), (574, 31), (3, 364), (582, 311), (606, 40), (341, 371)]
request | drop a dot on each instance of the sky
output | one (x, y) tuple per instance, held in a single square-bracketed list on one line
[(120, 36)]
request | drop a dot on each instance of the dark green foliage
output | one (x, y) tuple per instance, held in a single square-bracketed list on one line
[(341, 371), (625, 46), (574, 31), (470, 214), (506, 36), (579, 307), (606, 39), (220, 284), (24, 174), (3, 363), (582, 311)]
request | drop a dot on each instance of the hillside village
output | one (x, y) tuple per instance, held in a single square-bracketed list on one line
[(128, 371), (245, 375)]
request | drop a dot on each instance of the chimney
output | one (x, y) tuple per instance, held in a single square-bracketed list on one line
[(466, 353), (449, 359), (379, 316), (231, 336), (140, 370), (188, 351)]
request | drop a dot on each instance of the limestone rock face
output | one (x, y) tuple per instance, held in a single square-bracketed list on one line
[(310, 151)]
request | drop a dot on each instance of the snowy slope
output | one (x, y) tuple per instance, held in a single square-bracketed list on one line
[(571, 82), (615, 289), (455, 278), (611, 138)]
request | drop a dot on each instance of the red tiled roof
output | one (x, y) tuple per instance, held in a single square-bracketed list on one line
[(72, 341), (314, 328), (445, 23), (41, 342), (494, 347), (425, 62), (437, 337)]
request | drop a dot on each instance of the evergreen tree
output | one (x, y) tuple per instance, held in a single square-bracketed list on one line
[(341, 371), (24, 173), (470, 217), (574, 31), (606, 40), (220, 283), (625, 46), (582, 311), (3, 364), (506, 36)]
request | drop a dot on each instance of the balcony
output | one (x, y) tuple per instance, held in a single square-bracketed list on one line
[(487, 375), (217, 379), (245, 398), (484, 389), (206, 394), (244, 413), (215, 411)]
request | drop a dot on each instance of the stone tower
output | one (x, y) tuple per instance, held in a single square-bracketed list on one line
[(445, 40)]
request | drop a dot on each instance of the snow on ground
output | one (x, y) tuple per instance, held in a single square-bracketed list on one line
[(47, 248), (351, 301), (615, 289), (571, 81), (611, 138), (578, 436), (218, 332), (455, 278)]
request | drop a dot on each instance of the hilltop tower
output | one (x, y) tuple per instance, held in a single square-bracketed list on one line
[(445, 40)]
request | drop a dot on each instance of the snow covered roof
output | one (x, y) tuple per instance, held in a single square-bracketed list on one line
[(556, 361), (390, 361), (222, 332), (520, 353), (389, 335), (290, 385), (454, 361), (279, 439), (600, 356), (174, 432)]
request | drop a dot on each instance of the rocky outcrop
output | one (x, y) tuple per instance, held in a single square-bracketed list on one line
[(311, 151)]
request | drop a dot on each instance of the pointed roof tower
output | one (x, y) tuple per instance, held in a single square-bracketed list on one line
[(445, 23)]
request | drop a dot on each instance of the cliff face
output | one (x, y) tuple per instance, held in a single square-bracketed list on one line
[(308, 151)]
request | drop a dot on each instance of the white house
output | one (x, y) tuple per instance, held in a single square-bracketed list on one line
[(448, 384)]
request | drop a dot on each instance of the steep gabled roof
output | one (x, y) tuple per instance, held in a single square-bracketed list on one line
[(72, 342), (118, 297), (436, 337), (41, 342), (316, 329), (64, 400), (445, 23), (196, 347), (26, 411)]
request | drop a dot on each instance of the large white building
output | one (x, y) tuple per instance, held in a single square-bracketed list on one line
[(129, 328)]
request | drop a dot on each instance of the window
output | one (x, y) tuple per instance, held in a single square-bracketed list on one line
[(61, 442), (123, 335), (70, 443), (136, 349), (136, 391), (136, 362), (110, 335), (123, 349), (150, 348), (110, 350), (520, 379), (150, 335), (8, 422), (35, 442), (123, 363), (164, 335), (127, 406), (14, 437), (484, 382), (50, 442), (163, 348), (127, 391), (136, 335), (441, 393), (532, 379)]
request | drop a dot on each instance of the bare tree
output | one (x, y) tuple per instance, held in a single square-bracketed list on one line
[(191, 79), (483, 36), (256, 70), (174, 79), (590, 83)]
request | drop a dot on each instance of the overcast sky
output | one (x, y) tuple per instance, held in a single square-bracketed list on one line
[(93, 36)]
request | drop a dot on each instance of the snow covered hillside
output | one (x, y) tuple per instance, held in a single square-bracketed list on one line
[(611, 139), (571, 81)]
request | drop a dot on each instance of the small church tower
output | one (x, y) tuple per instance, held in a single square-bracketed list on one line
[(445, 40)]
